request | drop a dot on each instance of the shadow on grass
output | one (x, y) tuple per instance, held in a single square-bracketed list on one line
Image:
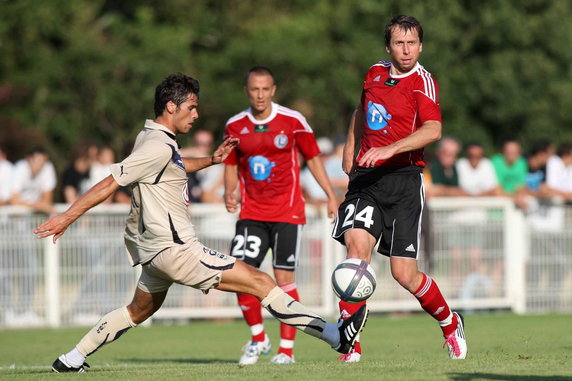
[(505, 377), (179, 361)]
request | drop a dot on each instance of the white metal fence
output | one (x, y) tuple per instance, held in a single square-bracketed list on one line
[(483, 253)]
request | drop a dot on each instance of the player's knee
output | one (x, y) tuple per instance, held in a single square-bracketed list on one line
[(140, 313), (405, 278), (262, 283)]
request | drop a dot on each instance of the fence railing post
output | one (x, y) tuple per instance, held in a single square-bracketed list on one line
[(328, 263), (516, 249), (52, 279)]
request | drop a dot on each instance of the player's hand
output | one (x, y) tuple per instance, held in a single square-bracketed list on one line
[(224, 149), (373, 155), (55, 226), (332, 207), (230, 202)]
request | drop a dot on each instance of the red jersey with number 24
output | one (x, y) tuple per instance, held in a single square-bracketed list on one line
[(268, 163), (394, 107)]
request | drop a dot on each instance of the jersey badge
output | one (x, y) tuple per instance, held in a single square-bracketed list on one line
[(281, 141), (376, 79), (260, 167), (186, 197), (261, 128), (244, 131), (391, 82), (377, 117)]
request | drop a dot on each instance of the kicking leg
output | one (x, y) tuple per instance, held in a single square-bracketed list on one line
[(247, 279), (285, 280), (109, 328)]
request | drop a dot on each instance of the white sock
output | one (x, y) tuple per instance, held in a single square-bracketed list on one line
[(74, 358), (286, 344), (256, 329)]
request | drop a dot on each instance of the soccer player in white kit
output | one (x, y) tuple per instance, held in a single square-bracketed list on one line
[(160, 237)]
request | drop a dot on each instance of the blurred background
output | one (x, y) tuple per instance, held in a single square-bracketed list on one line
[(86, 69)]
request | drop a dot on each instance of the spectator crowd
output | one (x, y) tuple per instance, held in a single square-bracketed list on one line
[(545, 173)]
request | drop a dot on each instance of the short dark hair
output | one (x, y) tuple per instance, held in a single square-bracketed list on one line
[(35, 150), (175, 88), (404, 22), (539, 146), (259, 70), (565, 149)]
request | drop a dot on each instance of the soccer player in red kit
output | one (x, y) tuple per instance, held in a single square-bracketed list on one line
[(266, 163), (399, 114)]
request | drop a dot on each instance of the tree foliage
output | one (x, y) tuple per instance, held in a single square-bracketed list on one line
[(87, 68)]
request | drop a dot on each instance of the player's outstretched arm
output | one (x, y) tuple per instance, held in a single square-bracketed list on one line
[(193, 164), (57, 225)]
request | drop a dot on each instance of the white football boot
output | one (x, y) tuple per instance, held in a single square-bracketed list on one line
[(455, 342), (252, 351), (282, 358), (353, 356)]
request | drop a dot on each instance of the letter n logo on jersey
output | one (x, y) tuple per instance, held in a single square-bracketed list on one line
[(260, 167), (377, 116)]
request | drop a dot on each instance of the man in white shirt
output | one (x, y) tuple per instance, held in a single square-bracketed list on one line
[(6, 169), (477, 175), (559, 171), (34, 182)]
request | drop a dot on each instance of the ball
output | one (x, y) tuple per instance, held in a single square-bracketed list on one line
[(353, 280)]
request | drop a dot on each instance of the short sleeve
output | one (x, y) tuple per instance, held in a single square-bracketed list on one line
[(426, 95), (144, 164), (306, 143)]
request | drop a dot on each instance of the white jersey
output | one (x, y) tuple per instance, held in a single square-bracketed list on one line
[(475, 181), (30, 188), (6, 178), (159, 216)]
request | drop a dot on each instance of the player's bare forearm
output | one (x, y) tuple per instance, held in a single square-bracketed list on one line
[(57, 225), (193, 164), (319, 172), (230, 184), (353, 139), (428, 133)]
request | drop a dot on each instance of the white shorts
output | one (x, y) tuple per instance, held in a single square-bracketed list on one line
[(191, 264)]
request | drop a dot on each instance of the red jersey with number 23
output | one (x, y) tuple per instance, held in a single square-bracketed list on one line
[(394, 107), (268, 163)]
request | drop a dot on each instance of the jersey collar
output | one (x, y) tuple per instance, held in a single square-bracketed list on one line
[(415, 68), (264, 121), (152, 125)]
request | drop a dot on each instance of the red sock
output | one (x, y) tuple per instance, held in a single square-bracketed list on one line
[(347, 310), (288, 333), (434, 304), (252, 312)]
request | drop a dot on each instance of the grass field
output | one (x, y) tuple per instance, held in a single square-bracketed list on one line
[(501, 347)]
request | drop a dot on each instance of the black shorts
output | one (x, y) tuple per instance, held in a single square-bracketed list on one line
[(254, 238), (386, 202)]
